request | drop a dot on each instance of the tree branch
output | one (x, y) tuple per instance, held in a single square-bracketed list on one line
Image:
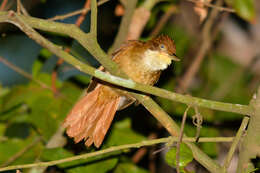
[(234, 145), (251, 143)]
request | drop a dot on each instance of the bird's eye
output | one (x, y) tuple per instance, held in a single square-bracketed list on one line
[(162, 46)]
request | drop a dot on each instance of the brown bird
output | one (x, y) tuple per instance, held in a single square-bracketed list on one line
[(143, 62)]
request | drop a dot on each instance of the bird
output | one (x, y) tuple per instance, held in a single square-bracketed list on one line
[(143, 62)]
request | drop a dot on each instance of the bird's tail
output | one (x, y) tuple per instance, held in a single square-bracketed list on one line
[(91, 117)]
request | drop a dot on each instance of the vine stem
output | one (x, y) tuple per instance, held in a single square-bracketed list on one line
[(116, 149)]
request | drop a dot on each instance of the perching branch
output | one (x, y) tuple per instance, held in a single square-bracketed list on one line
[(112, 150), (90, 44)]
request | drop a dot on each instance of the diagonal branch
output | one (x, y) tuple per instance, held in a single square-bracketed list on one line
[(235, 143)]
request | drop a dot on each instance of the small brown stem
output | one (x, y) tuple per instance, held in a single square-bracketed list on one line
[(60, 61), (18, 7), (180, 139), (83, 14), (3, 5), (142, 151), (74, 13)]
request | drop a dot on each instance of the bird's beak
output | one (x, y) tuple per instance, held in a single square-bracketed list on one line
[(174, 57)]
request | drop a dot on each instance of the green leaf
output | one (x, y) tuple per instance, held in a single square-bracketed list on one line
[(45, 53), (44, 116), (36, 67), (18, 130), (2, 129), (129, 168), (83, 78), (122, 133), (50, 154), (78, 166), (97, 167), (245, 9), (12, 146), (185, 156)]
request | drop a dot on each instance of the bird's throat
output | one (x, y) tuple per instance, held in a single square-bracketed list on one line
[(155, 60)]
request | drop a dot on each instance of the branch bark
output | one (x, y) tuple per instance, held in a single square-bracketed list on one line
[(251, 143)]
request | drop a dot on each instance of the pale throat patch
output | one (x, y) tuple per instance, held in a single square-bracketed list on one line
[(154, 60)]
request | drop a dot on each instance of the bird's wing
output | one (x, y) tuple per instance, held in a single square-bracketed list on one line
[(125, 46), (94, 82)]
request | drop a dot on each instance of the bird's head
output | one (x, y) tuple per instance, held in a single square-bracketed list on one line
[(161, 51)]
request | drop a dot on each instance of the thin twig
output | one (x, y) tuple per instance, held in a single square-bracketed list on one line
[(171, 10), (23, 73), (2, 7), (77, 12), (18, 9), (83, 14), (180, 139), (139, 154), (23, 10), (114, 149), (234, 145), (21, 152), (218, 7)]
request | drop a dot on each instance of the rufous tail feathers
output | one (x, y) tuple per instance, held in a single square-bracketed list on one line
[(91, 117)]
